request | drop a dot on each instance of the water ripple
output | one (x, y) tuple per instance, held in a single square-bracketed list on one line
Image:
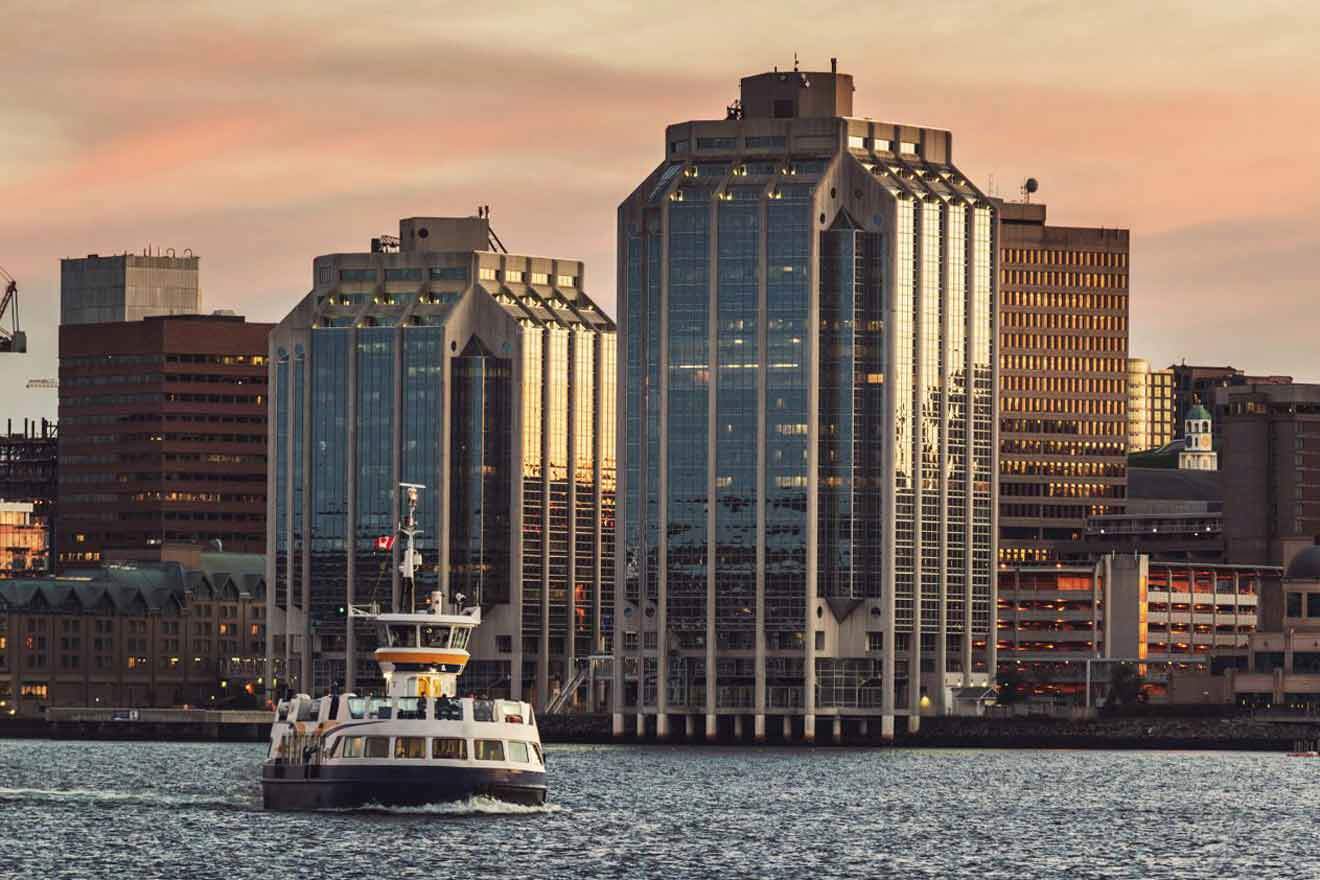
[(170, 810)]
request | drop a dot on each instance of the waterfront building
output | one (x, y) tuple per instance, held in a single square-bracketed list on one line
[(162, 437), (1170, 515), (24, 540), (439, 359), (128, 287), (1063, 366), (1198, 453), (1149, 406), (1271, 467), (28, 472), (189, 630), (807, 312), (1283, 667), (1170, 616)]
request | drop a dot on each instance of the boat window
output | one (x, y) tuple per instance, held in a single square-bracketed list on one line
[(377, 747), (518, 752), (357, 707), (511, 711), (483, 710), (488, 750), (536, 749), (435, 637), (447, 709), (378, 708), (410, 747), (411, 707), (402, 635), (449, 748), (309, 710), (284, 712), (460, 638), (352, 747)]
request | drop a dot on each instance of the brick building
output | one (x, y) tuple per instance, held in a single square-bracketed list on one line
[(187, 631), (162, 437)]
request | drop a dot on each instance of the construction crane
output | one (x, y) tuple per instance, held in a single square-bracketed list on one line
[(12, 339)]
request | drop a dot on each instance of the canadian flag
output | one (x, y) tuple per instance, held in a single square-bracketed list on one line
[(385, 542)]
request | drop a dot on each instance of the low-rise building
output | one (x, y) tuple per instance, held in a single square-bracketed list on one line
[(1283, 664), (187, 631), (24, 540), (1165, 615)]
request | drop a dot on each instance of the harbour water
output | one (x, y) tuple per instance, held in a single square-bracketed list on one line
[(193, 810)]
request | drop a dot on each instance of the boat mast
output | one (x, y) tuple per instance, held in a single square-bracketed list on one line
[(411, 558)]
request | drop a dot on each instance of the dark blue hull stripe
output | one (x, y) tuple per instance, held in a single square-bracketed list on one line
[(320, 787)]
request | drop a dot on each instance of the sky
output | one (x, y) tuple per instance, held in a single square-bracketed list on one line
[(262, 134)]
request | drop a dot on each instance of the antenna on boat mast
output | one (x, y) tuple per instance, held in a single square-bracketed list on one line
[(412, 560)]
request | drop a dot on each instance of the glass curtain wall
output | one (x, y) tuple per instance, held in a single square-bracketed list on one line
[(688, 396), (331, 350), (423, 422), (788, 246)]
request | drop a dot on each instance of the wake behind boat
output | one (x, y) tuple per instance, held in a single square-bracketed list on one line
[(418, 744)]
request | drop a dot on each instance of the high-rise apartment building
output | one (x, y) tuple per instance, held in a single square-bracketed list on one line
[(1270, 468), (1149, 406), (437, 359), (162, 437), (807, 312), (1063, 367), (127, 287)]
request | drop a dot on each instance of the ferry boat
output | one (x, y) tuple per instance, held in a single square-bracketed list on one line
[(418, 744)]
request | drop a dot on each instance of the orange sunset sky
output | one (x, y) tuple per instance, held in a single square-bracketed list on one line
[(262, 134)]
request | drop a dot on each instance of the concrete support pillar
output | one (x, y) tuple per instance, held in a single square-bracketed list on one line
[(662, 726), (809, 728), (887, 728), (641, 726), (914, 723), (864, 728), (788, 728), (837, 733), (737, 728), (758, 728), (690, 726), (618, 724), (712, 727)]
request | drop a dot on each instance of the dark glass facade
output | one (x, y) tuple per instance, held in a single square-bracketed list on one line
[(807, 497), (478, 376)]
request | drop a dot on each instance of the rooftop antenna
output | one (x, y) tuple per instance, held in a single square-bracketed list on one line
[(1030, 186)]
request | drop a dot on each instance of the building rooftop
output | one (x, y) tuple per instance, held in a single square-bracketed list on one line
[(139, 588), (1174, 485)]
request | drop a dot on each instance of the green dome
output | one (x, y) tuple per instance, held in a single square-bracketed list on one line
[(1198, 413)]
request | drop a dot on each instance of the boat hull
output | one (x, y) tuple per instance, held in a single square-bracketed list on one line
[(328, 787)]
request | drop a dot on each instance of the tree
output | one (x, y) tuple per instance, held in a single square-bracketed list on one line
[(1124, 685), (1010, 681)]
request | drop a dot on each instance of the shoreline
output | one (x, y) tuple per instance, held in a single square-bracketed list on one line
[(1242, 734)]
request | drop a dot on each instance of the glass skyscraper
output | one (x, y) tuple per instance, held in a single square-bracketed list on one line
[(806, 303), (488, 378)]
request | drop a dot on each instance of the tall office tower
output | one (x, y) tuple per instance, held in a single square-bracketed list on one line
[(127, 287), (807, 304), (440, 360), (1063, 333), (1149, 406), (28, 472), (1270, 468), (162, 437)]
